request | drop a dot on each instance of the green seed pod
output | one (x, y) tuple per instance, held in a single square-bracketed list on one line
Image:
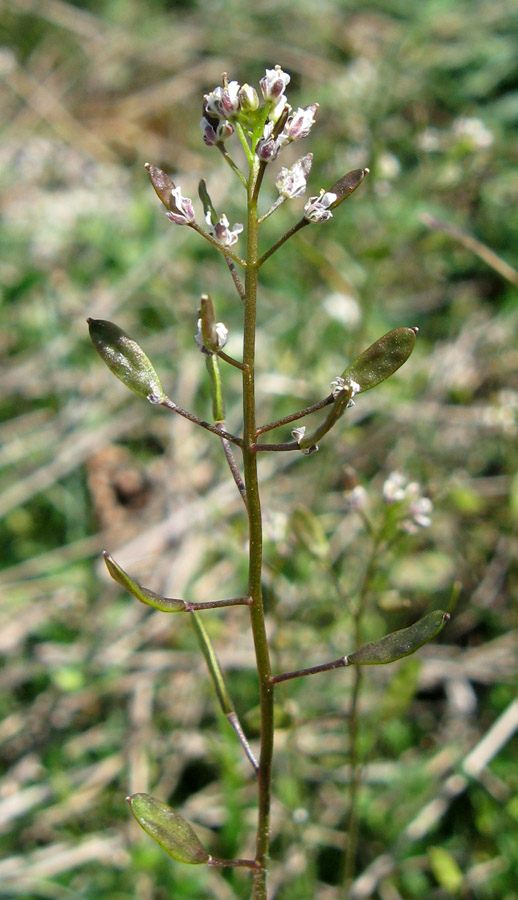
[(400, 643), (126, 359), (168, 829), (166, 604), (379, 361), (207, 204)]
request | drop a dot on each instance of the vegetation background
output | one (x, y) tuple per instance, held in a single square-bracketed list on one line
[(100, 697)]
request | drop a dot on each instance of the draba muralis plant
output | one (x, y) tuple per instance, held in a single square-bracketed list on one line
[(263, 130)]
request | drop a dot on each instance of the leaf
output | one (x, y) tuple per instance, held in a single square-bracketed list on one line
[(166, 604), (168, 829), (126, 359), (400, 643), (379, 361)]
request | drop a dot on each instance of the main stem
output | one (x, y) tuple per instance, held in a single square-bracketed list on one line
[(255, 545)]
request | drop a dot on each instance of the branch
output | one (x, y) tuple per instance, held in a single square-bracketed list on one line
[(168, 404), (312, 670), (297, 415)]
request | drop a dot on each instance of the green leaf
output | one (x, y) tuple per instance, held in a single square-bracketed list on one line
[(168, 829), (379, 361), (166, 604), (126, 359), (400, 643)]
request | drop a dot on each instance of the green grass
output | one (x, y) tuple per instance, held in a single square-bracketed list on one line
[(99, 697)]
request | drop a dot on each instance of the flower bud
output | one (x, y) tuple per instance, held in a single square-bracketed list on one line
[(248, 99), (126, 359)]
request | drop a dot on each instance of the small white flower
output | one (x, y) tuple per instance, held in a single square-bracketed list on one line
[(298, 433), (221, 230), (291, 183), (299, 123), (223, 102), (221, 331), (357, 497), (317, 208), (274, 83), (394, 488), (183, 210)]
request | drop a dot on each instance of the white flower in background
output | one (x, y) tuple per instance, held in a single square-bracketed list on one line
[(417, 509), (474, 131)]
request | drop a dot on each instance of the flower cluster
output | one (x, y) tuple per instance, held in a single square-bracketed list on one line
[(416, 508), (270, 127)]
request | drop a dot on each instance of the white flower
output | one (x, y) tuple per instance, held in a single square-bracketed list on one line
[(221, 332), (291, 182), (317, 208), (274, 83), (418, 509), (299, 123), (182, 212), (223, 102), (221, 230)]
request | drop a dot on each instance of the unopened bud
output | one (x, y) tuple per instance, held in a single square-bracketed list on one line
[(248, 98)]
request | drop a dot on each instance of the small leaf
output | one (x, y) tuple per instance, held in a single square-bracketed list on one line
[(400, 643), (125, 359), (446, 869), (166, 604), (379, 361), (168, 829)]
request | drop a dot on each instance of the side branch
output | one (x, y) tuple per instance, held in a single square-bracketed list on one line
[(297, 415), (312, 670), (271, 448), (301, 224), (168, 404), (217, 604)]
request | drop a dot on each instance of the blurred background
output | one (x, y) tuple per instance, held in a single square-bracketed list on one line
[(101, 697)]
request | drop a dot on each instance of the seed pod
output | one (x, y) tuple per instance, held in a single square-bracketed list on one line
[(399, 643), (163, 185), (168, 829), (346, 185), (379, 361), (126, 359), (166, 604)]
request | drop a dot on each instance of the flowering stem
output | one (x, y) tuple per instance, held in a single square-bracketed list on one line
[(283, 240), (255, 544), (246, 147)]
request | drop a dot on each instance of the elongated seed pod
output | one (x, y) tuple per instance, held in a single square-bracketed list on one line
[(126, 359), (400, 643), (168, 829), (379, 361)]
